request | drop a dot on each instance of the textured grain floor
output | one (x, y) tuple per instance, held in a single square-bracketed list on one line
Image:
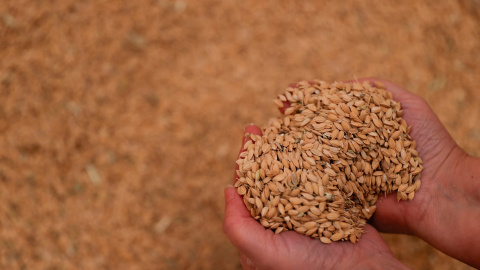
[(120, 120)]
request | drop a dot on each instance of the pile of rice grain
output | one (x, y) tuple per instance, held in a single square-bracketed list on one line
[(319, 168)]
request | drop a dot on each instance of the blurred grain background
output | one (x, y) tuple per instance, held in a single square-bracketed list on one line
[(120, 120)]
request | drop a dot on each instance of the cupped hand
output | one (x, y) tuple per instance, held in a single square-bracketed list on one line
[(262, 249), (446, 210), (438, 152)]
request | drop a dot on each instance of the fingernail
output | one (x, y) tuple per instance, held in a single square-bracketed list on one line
[(229, 193), (247, 125)]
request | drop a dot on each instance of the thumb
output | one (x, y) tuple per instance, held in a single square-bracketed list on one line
[(243, 231)]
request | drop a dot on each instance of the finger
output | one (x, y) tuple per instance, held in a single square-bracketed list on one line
[(243, 231), (247, 264), (372, 240), (286, 105), (252, 129), (390, 215)]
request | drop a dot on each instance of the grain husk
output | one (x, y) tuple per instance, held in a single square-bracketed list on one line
[(319, 168)]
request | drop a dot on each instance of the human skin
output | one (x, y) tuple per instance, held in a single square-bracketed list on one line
[(445, 211)]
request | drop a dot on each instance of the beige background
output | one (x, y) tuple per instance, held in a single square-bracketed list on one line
[(120, 120)]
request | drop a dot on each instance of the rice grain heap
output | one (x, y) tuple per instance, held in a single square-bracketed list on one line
[(319, 168)]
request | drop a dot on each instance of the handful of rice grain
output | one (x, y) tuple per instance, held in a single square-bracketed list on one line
[(320, 167)]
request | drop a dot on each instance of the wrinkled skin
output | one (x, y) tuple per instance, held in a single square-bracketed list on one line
[(445, 211)]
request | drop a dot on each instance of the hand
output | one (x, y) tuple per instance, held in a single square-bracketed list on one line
[(446, 210), (262, 249)]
